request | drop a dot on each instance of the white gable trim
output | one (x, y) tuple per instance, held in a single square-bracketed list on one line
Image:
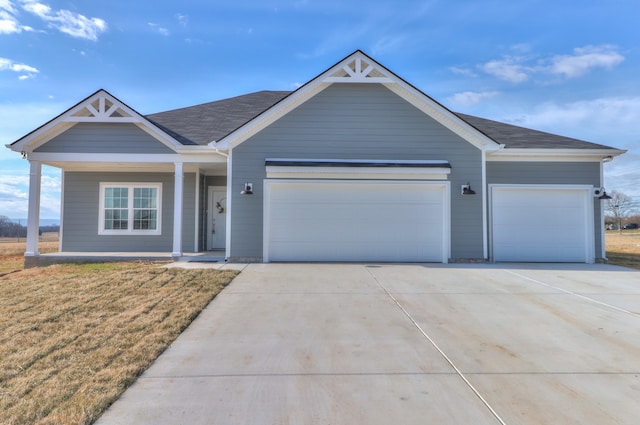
[(101, 107), (359, 68)]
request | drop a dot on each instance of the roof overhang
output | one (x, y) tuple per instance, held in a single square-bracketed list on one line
[(553, 155), (360, 68), (291, 168)]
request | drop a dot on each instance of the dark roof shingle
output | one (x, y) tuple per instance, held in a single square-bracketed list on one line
[(208, 122)]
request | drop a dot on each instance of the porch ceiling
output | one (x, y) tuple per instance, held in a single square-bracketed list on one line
[(208, 168)]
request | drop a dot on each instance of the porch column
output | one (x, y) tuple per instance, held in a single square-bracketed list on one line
[(177, 210), (33, 216)]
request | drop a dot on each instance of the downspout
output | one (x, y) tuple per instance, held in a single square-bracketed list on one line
[(603, 244)]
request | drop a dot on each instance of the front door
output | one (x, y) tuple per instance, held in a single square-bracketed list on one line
[(217, 218)]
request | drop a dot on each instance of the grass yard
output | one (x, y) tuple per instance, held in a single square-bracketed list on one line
[(74, 337), (12, 251), (623, 248)]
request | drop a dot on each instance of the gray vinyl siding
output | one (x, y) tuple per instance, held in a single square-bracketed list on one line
[(356, 121), (81, 214), (578, 173), (104, 138)]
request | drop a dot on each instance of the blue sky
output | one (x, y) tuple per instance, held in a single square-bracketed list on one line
[(567, 67)]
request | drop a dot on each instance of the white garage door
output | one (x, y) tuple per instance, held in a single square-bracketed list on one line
[(355, 221), (542, 224)]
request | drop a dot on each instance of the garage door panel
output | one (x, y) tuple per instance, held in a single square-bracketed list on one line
[(361, 221), (540, 225)]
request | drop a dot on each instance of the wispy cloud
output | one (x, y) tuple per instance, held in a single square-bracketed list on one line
[(520, 68), (14, 194), (585, 59), (9, 23), (26, 71), (66, 21), (511, 68), (608, 116), (159, 29), (183, 20), (468, 98)]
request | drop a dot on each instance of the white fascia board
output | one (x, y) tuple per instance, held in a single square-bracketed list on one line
[(552, 155), (40, 136)]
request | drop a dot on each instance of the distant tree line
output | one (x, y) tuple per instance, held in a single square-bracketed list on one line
[(620, 210), (11, 229)]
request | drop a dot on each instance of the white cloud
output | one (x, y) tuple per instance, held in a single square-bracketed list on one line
[(26, 70), (157, 28), (182, 19), (465, 72), (606, 116), (7, 5), (9, 23), (509, 69), (518, 69), (584, 59), (608, 121), (468, 98), (73, 24), (14, 194)]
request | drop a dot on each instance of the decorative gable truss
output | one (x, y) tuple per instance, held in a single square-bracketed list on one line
[(102, 108), (359, 70)]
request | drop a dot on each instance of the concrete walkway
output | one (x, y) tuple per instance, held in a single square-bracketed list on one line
[(403, 344)]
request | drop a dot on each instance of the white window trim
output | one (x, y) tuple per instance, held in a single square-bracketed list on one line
[(130, 230)]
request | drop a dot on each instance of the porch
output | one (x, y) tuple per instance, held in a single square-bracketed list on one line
[(215, 256)]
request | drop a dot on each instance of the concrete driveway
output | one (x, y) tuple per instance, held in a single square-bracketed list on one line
[(403, 344)]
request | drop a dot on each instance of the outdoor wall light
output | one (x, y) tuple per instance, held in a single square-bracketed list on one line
[(601, 194), (466, 189), (248, 189)]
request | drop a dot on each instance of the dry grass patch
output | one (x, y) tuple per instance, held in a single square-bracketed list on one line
[(623, 248), (12, 251), (74, 337)]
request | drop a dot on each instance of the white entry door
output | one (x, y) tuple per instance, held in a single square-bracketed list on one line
[(217, 218)]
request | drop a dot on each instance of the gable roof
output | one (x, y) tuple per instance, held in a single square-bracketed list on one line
[(99, 107), (360, 68), (212, 121)]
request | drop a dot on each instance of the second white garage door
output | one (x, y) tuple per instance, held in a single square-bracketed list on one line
[(356, 221), (542, 224)]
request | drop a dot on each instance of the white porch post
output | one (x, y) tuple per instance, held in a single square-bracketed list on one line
[(177, 210), (33, 216)]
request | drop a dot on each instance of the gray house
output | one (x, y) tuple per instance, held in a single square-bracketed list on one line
[(355, 165)]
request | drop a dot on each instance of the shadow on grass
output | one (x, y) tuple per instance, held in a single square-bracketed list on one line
[(624, 259)]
